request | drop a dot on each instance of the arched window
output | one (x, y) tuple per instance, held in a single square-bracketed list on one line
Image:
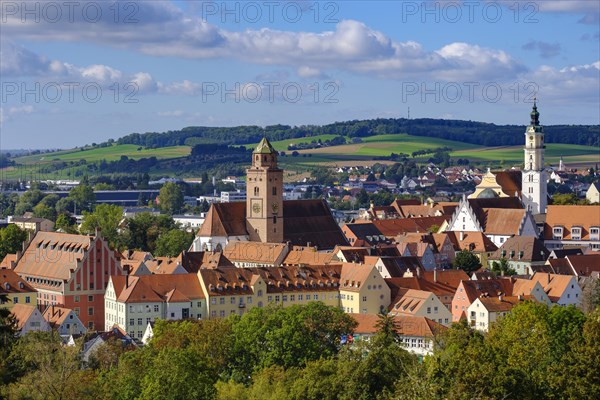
[(274, 191), (256, 191)]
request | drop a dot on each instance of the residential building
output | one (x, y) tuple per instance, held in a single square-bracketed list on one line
[(133, 301), (16, 289), (70, 271), (417, 334), (64, 321), (563, 290), (577, 265), (420, 303), (363, 290), (470, 290), (363, 234), (33, 224), (498, 218), (572, 226), (485, 311), (29, 319), (593, 193), (99, 339), (256, 254), (521, 253)]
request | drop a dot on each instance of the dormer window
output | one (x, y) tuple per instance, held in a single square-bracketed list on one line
[(557, 232), (576, 233), (595, 233)]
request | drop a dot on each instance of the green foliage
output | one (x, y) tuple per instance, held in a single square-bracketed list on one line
[(293, 335), (106, 217), (144, 229), (83, 197), (11, 240), (65, 223), (568, 199), (467, 261), (170, 198), (173, 242), (503, 268)]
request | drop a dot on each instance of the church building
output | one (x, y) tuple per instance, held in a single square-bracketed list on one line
[(265, 217), (530, 184)]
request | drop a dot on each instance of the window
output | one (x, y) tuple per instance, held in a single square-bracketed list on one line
[(156, 308), (232, 300), (364, 298), (199, 304), (213, 300), (300, 297), (90, 298), (274, 219), (140, 334), (284, 297), (90, 310), (221, 300), (435, 310), (76, 310), (131, 321), (316, 297), (222, 313), (256, 192), (259, 294), (148, 320), (213, 314), (139, 321), (76, 299), (274, 191), (249, 300), (276, 299), (27, 300), (269, 298), (428, 310), (15, 300)]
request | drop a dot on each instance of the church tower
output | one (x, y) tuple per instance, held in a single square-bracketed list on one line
[(264, 204), (534, 176)]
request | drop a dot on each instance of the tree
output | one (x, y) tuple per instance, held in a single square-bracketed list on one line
[(503, 268), (144, 229), (65, 223), (107, 217), (467, 261), (83, 197), (8, 336), (49, 370), (11, 240), (44, 211), (170, 198), (173, 242)]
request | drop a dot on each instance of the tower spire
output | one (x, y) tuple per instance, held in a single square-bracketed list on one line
[(535, 115)]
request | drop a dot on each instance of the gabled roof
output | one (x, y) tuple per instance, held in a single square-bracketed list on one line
[(476, 241), (300, 255), (8, 261), (10, 283), (394, 227), (487, 287), (192, 261), (407, 325), (502, 220), (53, 255), (366, 232), (354, 276), (157, 288), (396, 266), (496, 304), (523, 248), (22, 313), (255, 252), (418, 283), (554, 285), (56, 315), (448, 277), (410, 301), (570, 216), (305, 222)]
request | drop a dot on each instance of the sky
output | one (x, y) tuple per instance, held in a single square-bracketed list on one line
[(77, 72)]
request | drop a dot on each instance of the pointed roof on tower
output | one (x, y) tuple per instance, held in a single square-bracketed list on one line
[(264, 147)]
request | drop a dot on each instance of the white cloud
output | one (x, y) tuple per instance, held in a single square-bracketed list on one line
[(10, 113)]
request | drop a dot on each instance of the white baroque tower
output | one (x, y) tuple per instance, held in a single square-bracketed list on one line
[(534, 187)]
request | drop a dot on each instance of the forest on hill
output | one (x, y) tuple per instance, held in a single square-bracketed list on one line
[(479, 133)]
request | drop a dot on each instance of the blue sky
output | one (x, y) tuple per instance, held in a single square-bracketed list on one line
[(86, 71)]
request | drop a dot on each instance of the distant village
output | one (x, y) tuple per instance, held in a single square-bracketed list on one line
[(427, 260)]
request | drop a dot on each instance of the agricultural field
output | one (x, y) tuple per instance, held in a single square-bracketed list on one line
[(111, 153), (282, 145)]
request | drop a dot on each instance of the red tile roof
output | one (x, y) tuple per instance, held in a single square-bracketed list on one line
[(407, 325)]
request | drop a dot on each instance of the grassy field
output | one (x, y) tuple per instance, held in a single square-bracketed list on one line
[(365, 153), (282, 145), (111, 153)]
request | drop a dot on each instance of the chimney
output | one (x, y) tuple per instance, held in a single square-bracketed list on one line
[(462, 236), (548, 277), (127, 276), (435, 275), (500, 297), (418, 271)]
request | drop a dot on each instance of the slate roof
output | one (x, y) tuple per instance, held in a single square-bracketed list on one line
[(523, 248), (304, 222)]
